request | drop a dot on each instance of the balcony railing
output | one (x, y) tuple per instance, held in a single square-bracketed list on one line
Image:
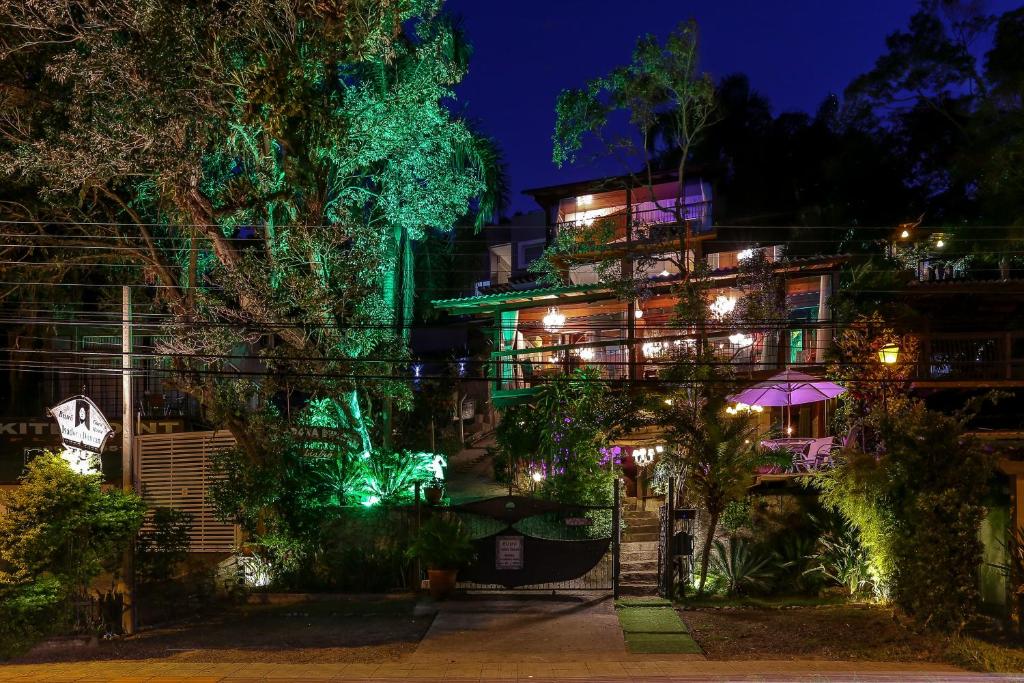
[(658, 224), (970, 357)]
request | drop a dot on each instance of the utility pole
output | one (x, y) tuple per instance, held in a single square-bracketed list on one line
[(127, 448)]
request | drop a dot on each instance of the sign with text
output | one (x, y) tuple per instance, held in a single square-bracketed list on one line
[(508, 553), (83, 431), (579, 521), (82, 426)]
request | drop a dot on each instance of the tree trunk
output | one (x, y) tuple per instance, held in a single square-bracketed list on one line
[(705, 553)]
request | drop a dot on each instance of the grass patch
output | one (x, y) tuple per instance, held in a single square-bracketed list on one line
[(643, 602), (978, 655), (651, 628), (663, 620), (662, 644)]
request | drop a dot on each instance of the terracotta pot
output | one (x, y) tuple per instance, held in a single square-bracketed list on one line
[(442, 582), (433, 495)]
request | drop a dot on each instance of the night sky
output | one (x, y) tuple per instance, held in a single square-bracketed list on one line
[(526, 51)]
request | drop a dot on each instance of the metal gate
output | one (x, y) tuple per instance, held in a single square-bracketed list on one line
[(527, 544)]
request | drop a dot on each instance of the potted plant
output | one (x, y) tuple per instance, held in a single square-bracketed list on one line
[(434, 491), (444, 547)]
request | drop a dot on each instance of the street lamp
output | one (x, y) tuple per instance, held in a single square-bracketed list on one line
[(889, 354)]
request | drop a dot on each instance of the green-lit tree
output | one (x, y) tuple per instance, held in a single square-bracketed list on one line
[(265, 166)]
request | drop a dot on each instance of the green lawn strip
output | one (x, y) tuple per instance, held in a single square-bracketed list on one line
[(643, 620), (643, 602), (655, 629), (662, 644)]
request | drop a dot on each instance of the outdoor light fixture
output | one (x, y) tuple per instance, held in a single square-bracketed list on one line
[(743, 408), (940, 244), (537, 476), (789, 430), (668, 401), (889, 354), (664, 273), (905, 234), (723, 305), (745, 254), (586, 353), (645, 456), (638, 313), (741, 340), (554, 320), (585, 200)]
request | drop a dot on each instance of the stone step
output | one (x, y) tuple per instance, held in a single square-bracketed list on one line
[(637, 589), (636, 546), (635, 514), (639, 577), (640, 538), (641, 529), (638, 558), (645, 564)]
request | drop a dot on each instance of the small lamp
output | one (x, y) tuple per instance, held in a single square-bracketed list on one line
[(889, 354)]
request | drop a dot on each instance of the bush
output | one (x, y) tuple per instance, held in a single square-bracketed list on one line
[(740, 566), (442, 544), (161, 550), (28, 613), (916, 502), (364, 550)]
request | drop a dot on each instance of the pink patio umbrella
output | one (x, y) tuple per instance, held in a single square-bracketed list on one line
[(788, 388)]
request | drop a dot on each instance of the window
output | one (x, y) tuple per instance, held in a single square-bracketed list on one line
[(530, 251)]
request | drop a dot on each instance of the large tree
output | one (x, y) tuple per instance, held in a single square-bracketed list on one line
[(263, 165)]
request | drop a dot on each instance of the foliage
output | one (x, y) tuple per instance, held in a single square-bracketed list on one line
[(870, 383), (267, 166), (793, 554), (161, 550), (60, 523), (29, 612), (363, 550), (843, 560), (390, 477), (565, 434), (741, 566), (442, 543), (917, 505), (736, 515)]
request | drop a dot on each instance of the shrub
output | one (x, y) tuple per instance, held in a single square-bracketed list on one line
[(741, 566), (845, 562), (28, 613), (917, 505), (159, 551), (442, 543), (364, 550), (62, 523)]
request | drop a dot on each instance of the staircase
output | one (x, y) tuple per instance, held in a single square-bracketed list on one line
[(638, 558)]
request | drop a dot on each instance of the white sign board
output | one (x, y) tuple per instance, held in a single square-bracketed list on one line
[(508, 552), (83, 430)]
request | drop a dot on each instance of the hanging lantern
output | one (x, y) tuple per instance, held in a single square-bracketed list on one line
[(889, 354), (554, 320)]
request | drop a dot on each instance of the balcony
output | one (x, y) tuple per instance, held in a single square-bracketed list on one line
[(651, 226), (976, 359)]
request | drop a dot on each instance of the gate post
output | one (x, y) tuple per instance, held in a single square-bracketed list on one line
[(670, 527), (616, 524)]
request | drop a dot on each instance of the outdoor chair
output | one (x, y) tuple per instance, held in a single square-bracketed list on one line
[(818, 453)]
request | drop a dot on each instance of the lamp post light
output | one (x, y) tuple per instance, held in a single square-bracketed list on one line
[(889, 354)]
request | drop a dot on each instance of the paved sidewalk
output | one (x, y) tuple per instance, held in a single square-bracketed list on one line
[(631, 669), (488, 638)]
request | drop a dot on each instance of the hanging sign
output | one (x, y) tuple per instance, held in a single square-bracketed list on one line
[(508, 553), (83, 431)]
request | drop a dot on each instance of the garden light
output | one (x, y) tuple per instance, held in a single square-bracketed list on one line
[(905, 234), (889, 354), (940, 244), (537, 476)]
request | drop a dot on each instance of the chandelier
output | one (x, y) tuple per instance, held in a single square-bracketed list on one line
[(723, 306), (554, 320), (645, 456)]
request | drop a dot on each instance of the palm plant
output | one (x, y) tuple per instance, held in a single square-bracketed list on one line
[(741, 565), (389, 477), (845, 561), (340, 480)]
